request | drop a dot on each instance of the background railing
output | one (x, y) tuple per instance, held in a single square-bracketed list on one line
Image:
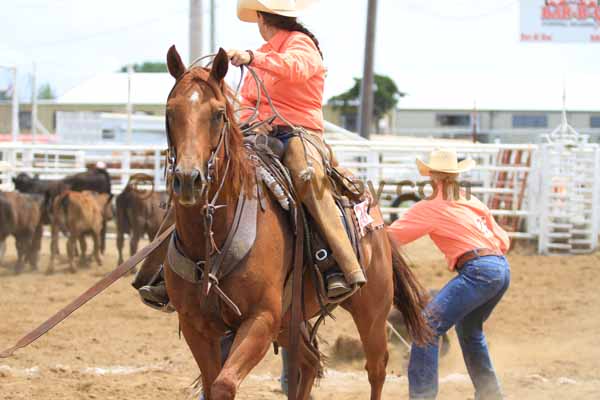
[(375, 162)]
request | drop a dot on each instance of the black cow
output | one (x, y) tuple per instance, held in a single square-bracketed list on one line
[(96, 180), (26, 184)]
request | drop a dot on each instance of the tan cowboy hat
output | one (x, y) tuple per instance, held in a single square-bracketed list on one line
[(444, 160), (247, 9)]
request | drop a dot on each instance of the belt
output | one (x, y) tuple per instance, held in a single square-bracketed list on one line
[(473, 254)]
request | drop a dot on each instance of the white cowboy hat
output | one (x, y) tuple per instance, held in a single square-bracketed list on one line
[(246, 9), (444, 160), (4, 166)]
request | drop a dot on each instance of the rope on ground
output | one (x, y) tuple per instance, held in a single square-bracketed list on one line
[(389, 324)]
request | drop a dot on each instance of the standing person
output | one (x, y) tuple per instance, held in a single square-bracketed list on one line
[(474, 245)]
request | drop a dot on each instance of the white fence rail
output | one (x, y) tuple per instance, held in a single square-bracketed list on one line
[(378, 162), (58, 161)]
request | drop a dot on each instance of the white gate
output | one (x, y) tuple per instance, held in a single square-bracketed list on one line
[(570, 171)]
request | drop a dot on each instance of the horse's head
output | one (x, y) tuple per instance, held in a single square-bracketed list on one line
[(197, 117)]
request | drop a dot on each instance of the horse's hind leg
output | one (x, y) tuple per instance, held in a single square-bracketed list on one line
[(369, 309), (207, 354), (252, 341)]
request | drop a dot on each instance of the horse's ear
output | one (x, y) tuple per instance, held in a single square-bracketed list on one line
[(220, 66), (174, 63)]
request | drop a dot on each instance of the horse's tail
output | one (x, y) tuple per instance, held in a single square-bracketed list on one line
[(410, 298)]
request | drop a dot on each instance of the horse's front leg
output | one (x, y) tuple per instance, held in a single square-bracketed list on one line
[(252, 341), (207, 353)]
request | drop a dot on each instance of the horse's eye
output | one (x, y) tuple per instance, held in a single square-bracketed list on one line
[(218, 115)]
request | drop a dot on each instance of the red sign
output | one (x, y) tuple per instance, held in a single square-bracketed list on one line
[(568, 10), (560, 21)]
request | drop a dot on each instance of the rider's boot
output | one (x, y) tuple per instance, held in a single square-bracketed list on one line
[(155, 295), (314, 190), (156, 292)]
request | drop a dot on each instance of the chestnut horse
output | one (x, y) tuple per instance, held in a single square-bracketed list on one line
[(209, 161)]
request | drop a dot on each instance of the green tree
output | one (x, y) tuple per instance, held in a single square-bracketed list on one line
[(147, 66), (385, 98), (45, 92)]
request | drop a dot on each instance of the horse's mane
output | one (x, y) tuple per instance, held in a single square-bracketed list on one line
[(240, 173)]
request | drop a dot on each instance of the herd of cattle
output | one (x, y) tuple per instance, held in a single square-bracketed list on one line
[(78, 206)]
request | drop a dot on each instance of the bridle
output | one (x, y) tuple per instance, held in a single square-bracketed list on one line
[(208, 178)]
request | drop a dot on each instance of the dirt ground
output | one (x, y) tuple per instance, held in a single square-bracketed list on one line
[(544, 338)]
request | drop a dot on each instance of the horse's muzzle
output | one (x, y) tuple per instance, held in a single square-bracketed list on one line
[(187, 185)]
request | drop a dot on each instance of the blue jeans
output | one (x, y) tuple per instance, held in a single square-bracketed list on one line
[(466, 301)]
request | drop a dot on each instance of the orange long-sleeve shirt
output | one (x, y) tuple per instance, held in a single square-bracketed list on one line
[(294, 75), (455, 227)]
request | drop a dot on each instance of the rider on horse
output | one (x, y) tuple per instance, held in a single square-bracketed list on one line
[(291, 66)]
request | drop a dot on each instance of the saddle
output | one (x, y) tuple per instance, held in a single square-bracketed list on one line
[(266, 152)]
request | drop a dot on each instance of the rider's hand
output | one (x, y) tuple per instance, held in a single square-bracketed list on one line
[(239, 57)]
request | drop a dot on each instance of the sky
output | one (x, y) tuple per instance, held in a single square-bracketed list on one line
[(73, 40)]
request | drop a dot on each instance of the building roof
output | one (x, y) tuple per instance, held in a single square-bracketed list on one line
[(111, 88), (490, 92), (443, 91)]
